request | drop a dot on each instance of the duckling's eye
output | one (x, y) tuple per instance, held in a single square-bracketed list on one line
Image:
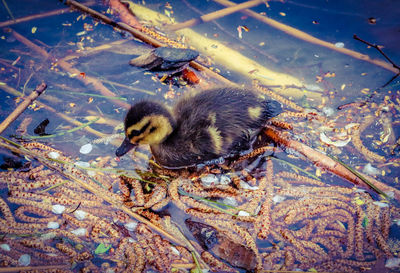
[(134, 133), (152, 129)]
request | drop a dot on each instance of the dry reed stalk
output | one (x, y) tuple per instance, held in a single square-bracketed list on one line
[(39, 16), (326, 162), (21, 108), (87, 80), (35, 268), (14, 92), (311, 39), (144, 36), (91, 188), (215, 15), (233, 60)]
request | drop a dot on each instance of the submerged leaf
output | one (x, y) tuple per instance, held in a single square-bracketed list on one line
[(365, 221), (339, 143), (101, 248)]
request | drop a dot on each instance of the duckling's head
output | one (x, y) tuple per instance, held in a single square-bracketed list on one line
[(146, 122)]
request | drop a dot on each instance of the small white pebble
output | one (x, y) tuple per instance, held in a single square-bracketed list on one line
[(175, 251), (91, 173), (58, 209), (392, 262), (209, 180), (131, 240), (246, 186), (328, 111), (339, 45), (397, 221), (48, 236), (80, 214), (381, 204), (82, 164), (390, 194), (53, 225), (131, 226), (313, 87), (230, 201), (5, 247), (360, 190), (368, 169), (85, 149), (224, 180), (24, 260), (351, 125), (342, 134), (278, 198), (53, 155), (243, 213), (79, 231)]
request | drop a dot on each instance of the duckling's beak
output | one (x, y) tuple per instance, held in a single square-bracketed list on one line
[(125, 147)]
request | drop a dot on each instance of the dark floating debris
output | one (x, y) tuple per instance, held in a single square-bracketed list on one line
[(15, 163), (41, 128), (372, 21), (169, 59), (222, 246)]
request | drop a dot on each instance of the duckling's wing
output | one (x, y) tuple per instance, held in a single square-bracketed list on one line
[(215, 123), (188, 144)]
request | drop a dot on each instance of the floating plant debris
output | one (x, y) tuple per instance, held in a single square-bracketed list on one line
[(41, 128), (276, 208)]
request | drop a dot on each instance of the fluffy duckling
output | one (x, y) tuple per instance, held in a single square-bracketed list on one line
[(201, 127)]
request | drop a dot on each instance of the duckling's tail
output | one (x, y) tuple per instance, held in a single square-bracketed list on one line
[(272, 109)]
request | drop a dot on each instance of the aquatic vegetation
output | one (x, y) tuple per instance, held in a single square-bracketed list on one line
[(277, 207), (311, 225)]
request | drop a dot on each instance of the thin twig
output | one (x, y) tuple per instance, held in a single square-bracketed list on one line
[(214, 15), (308, 38), (21, 108), (8, 9), (128, 87), (32, 17), (377, 48), (87, 80), (135, 32), (41, 268), (14, 92), (324, 161), (40, 15), (143, 37), (63, 132), (229, 33), (384, 55), (88, 186)]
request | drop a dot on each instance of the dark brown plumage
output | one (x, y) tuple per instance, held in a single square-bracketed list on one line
[(202, 126)]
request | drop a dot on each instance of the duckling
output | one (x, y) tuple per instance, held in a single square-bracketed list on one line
[(201, 127)]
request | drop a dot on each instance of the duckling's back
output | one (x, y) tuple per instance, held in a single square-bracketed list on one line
[(214, 123)]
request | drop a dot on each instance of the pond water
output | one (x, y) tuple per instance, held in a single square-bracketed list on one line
[(282, 207)]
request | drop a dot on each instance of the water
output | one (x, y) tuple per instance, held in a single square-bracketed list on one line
[(341, 229)]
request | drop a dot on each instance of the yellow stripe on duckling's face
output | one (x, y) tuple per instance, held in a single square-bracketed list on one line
[(254, 112), (153, 129)]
